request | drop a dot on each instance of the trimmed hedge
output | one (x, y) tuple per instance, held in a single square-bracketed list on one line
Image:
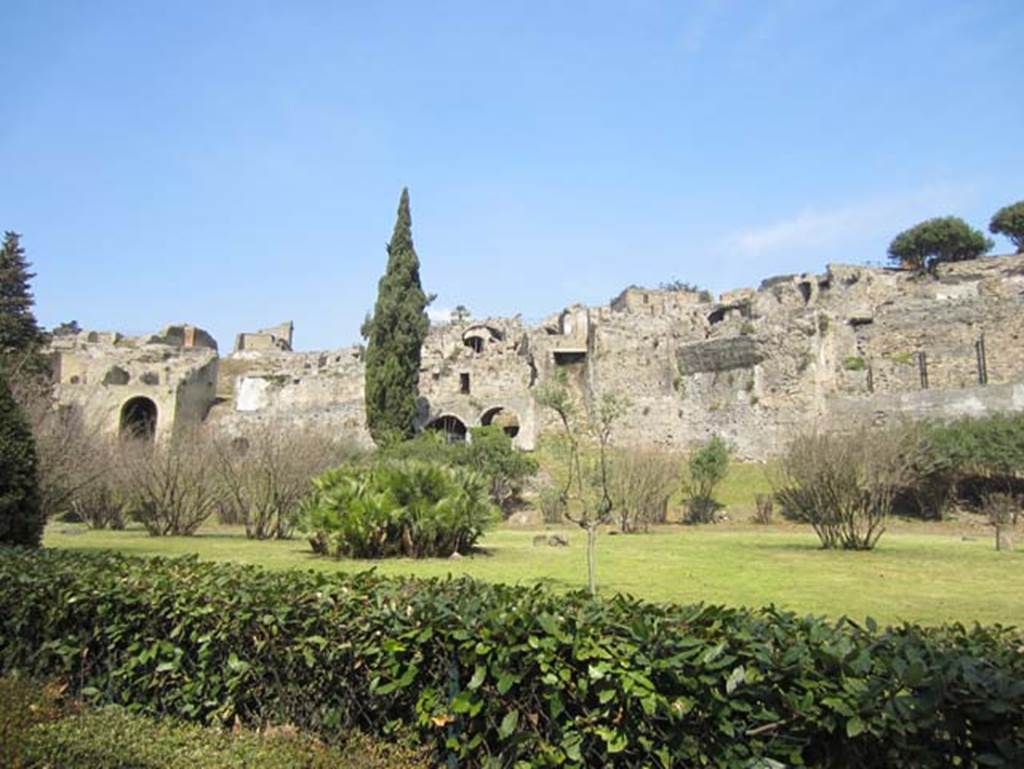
[(512, 676)]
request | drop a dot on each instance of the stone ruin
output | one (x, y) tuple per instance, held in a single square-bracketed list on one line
[(851, 345)]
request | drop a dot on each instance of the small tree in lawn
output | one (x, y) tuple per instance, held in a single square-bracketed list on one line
[(707, 466), (943, 239), (21, 516), (395, 334), (587, 509), (1009, 221)]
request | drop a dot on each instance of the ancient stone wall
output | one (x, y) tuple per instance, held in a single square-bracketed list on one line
[(756, 366), (169, 377)]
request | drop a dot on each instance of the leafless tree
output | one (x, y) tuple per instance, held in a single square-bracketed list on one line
[(71, 451), (266, 474), (172, 486)]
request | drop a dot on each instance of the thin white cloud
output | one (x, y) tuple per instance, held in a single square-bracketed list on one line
[(817, 228), (439, 314)]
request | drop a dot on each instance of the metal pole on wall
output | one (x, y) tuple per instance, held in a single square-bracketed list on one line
[(979, 348)]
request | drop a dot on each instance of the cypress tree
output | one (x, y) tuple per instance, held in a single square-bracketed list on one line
[(21, 516), (395, 334), (20, 336)]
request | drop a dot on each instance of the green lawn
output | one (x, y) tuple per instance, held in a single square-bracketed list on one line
[(921, 577)]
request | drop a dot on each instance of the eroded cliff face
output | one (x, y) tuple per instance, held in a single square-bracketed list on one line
[(756, 366)]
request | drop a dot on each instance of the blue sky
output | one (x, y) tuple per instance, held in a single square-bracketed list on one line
[(235, 164)]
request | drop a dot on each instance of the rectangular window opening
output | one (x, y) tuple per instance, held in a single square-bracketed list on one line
[(464, 384)]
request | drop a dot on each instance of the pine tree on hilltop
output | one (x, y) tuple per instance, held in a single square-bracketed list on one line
[(20, 335), (395, 334), (21, 516)]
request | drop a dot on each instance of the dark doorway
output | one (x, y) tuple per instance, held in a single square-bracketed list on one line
[(503, 418), (453, 428), (138, 419)]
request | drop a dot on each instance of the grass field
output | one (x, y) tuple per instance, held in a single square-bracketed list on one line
[(930, 576)]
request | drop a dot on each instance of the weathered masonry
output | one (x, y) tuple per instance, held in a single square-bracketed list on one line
[(852, 344)]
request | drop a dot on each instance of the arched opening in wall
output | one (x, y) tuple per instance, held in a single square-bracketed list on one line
[(138, 419), (454, 429), (477, 338), (474, 343), (503, 418)]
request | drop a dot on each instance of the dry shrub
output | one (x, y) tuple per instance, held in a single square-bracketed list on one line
[(67, 459), (843, 484), (266, 475), (172, 486), (764, 509), (642, 482), (102, 502)]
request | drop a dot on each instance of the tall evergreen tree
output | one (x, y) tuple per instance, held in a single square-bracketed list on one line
[(21, 516), (395, 334), (20, 335)]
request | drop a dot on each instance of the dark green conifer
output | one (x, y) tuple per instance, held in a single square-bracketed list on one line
[(20, 336), (395, 334), (21, 517)]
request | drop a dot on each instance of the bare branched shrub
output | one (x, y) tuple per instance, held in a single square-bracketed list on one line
[(843, 485), (764, 509), (642, 482), (171, 486), (100, 500), (68, 463), (266, 475)]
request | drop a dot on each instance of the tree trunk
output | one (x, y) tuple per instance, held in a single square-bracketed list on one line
[(1004, 538), (592, 559)]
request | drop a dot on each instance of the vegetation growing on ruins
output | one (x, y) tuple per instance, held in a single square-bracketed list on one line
[(683, 285), (1009, 221), (938, 240), (21, 514), (394, 337)]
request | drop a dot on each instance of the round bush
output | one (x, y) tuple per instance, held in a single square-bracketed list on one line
[(411, 509)]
